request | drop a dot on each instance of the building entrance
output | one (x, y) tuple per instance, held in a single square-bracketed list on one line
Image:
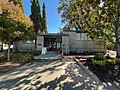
[(53, 44)]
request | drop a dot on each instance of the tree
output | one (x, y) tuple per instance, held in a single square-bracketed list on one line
[(36, 18), (100, 18), (17, 2), (44, 23), (14, 25)]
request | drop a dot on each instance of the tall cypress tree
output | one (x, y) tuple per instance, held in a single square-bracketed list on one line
[(44, 23), (36, 18), (36, 15)]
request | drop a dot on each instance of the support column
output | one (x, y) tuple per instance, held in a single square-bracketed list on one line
[(40, 42), (66, 44)]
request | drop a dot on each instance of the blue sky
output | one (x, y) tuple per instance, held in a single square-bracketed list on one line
[(53, 18)]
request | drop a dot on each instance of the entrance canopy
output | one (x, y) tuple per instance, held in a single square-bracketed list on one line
[(53, 35)]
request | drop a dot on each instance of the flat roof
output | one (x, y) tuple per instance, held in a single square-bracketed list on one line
[(53, 34)]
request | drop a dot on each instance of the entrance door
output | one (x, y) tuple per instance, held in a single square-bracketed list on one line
[(53, 44)]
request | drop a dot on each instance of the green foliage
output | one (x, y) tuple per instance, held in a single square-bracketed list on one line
[(44, 22), (35, 53), (3, 57), (14, 25), (100, 18), (22, 58), (114, 61), (36, 16), (106, 62), (99, 56), (17, 2), (100, 63)]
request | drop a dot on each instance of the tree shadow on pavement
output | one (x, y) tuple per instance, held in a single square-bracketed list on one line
[(51, 77), (28, 76)]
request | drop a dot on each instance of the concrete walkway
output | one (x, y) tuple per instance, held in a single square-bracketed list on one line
[(57, 75), (48, 56)]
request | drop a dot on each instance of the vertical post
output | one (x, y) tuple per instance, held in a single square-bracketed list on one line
[(66, 44), (8, 52)]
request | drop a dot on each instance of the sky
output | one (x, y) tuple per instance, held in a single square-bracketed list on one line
[(53, 18)]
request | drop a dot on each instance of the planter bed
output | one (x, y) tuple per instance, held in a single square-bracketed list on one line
[(106, 73)]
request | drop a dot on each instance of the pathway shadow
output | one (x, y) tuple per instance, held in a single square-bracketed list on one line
[(74, 78), (28, 75)]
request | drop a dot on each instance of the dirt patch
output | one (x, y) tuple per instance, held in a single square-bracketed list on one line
[(6, 66)]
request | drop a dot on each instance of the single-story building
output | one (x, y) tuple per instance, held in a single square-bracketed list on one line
[(68, 41)]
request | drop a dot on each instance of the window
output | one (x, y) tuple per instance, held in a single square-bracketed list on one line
[(77, 36), (82, 36)]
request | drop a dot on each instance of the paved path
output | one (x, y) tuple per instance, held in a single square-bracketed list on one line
[(48, 56), (57, 75)]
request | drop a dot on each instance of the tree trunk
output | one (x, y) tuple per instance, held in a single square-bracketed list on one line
[(36, 43), (118, 50), (2, 46), (8, 58)]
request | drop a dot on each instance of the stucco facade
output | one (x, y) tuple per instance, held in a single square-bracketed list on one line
[(69, 41), (77, 44), (23, 46)]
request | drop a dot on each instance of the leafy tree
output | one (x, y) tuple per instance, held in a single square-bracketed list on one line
[(100, 18), (17, 2), (36, 18), (14, 25), (44, 23)]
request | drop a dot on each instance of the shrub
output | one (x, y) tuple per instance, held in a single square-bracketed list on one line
[(100, 63), (104, 62), (117, 60), (3, 57), (21, 58), (99, 56), (35, 53)]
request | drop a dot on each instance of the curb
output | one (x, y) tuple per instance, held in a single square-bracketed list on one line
[(93, 76)]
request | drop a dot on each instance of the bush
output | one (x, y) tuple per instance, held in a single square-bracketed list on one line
[(107, 62), (100, 63), (3, 57), (35, 53), (82, 52), (22, 58), (117, 60), (114, 61), (99, 56)]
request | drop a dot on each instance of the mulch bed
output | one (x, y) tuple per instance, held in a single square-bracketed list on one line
[(107, 73)]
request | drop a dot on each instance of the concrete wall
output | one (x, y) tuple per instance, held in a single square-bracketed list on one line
[(88, 45), (23, 46), (82, 45), (69, 44), (40, 42), (72, 40), (65, 44)]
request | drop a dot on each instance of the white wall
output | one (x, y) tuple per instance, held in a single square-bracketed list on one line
[(23, 46), (77, 45), (40, 42), (65, 44)]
